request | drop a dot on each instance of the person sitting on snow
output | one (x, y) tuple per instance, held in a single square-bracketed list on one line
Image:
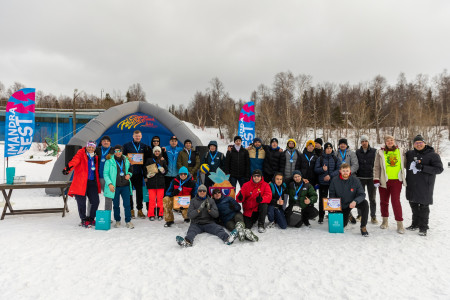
[(229, 213), (202, 212)]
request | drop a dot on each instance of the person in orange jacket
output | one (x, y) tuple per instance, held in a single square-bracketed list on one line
[(255, 196)]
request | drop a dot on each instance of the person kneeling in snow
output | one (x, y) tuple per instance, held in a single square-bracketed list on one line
[(352, 195), (275, 211), (255, 196), (202, 212), (302, 197), (229, 213)]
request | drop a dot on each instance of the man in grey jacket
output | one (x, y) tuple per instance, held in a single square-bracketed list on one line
[(352, 195), (202, 211)]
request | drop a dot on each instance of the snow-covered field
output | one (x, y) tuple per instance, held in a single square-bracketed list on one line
[(48, 257)]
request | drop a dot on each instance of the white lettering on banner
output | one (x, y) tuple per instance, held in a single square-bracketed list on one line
[(19, 135)]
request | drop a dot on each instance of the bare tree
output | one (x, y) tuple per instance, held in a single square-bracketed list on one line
[(135, 93)]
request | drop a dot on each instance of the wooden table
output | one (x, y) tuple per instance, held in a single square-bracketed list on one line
[(63, 185)]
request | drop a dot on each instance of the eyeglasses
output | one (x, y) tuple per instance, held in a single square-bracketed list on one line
[(202, 191), (419, 143), (183, 174), (256, 175), (217, 193), (117, 151)]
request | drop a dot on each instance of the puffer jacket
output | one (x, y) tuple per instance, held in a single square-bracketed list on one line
[(80, 176), (272, 162), (349, 157), (250, 191), (237, 163), (172, 157), (348, 190), (307, 165), (366, 161), (306, 190), (204, 216), (333, 165), (158, 180), (110, 173), (228, 207), (287, 167)]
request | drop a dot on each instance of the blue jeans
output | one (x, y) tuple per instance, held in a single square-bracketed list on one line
[(125, 192), (274, 214)]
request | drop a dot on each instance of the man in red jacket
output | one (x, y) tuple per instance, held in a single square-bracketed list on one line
[(85, 182), (255, 196)]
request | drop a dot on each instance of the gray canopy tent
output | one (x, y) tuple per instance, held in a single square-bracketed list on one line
[(118, 123)]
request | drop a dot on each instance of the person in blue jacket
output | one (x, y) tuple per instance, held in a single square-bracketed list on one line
[(275, 211), (229, 213), (327, 167), (214, 159), (172, 152)]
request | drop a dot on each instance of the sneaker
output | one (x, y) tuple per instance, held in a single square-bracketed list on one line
[(152, 218), (187, 220), (168, 224), (132, 214), (374, 220), (412, 227), (160, 218), (364, 232), (358, 218), (320, 221), (240, 227), (117, 225), (261, 229), (352, 219), (183, 242), (130, 225), (249, 235), (141, 214), (271, 225), (232, 237), (87, 224), (92, 221), (422, 232)]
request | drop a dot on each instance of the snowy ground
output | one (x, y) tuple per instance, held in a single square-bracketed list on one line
[(48, 257)]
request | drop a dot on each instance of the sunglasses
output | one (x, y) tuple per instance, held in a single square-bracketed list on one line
[(117, 151), (256, 175), (155, 141), (202, 191)]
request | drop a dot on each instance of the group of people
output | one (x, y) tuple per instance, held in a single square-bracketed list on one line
[(280, 185)]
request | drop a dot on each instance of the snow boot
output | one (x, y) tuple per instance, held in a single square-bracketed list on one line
[(422, 232), (358, 218), (352, 219), (160, 218), (183, 242), (152, 218), (117, 225), (261, 229), (412, 227), (364, 232), (168, 224), (141, 214), (132, 214), (385, 223), (374, 220), (249, 235), (187, 220), (232, 237), (130, 225), (271, 225), (240, 227), (400, 228)]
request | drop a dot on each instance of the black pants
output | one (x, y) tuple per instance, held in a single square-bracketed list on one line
[(238, 217), (136, 181), (371, 191), (364, 207), (94, 200), (420, 215), (259, 215), (323, 193)]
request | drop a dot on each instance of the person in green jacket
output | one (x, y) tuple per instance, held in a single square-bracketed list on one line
[(117, 174), (302, 197)]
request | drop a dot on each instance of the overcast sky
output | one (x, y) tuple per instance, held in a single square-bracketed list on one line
[(174, 48)]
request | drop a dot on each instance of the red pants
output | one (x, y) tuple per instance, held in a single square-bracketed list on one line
[(155, 198), (392, 190)]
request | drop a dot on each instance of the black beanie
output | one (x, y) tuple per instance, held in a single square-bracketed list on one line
[(237, 138), (343, 141), (419, 138), (318, 141), (327, 144), (296, 172), (273, 140), (118, 147), (187, 141), (105, 137)]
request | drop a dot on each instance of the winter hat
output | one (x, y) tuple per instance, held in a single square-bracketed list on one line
[(292, 140), (318, 141), (237, 138), (202, 187), (105, 137), (174, 138), (419, 138), (328, 144), (257, 140), (387, 137), (216, 191), (310, 142), (273, 140), (343, 141), (183, 170), (257, 172), (118, 147), (91, 144), (156, 148), (364, 138), (214, 143), (296, 172), (187, 141)]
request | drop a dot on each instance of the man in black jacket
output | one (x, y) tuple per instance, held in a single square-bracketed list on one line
[(308, 162), (366, 159), (237, 163), (272, 161), (352, 195), (422, 165)]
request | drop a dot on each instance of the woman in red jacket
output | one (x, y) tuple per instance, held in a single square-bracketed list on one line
[(85, 182), (255, 196)]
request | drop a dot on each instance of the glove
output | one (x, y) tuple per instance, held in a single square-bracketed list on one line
[(66, 170), (376, 183), (419, 166), (208, 205), (240, 197), (259, 199), (176, 192), (202, 206), (161, 169)]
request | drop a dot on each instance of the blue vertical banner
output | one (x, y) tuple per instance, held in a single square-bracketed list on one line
[(247, 123), (19, 122)]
